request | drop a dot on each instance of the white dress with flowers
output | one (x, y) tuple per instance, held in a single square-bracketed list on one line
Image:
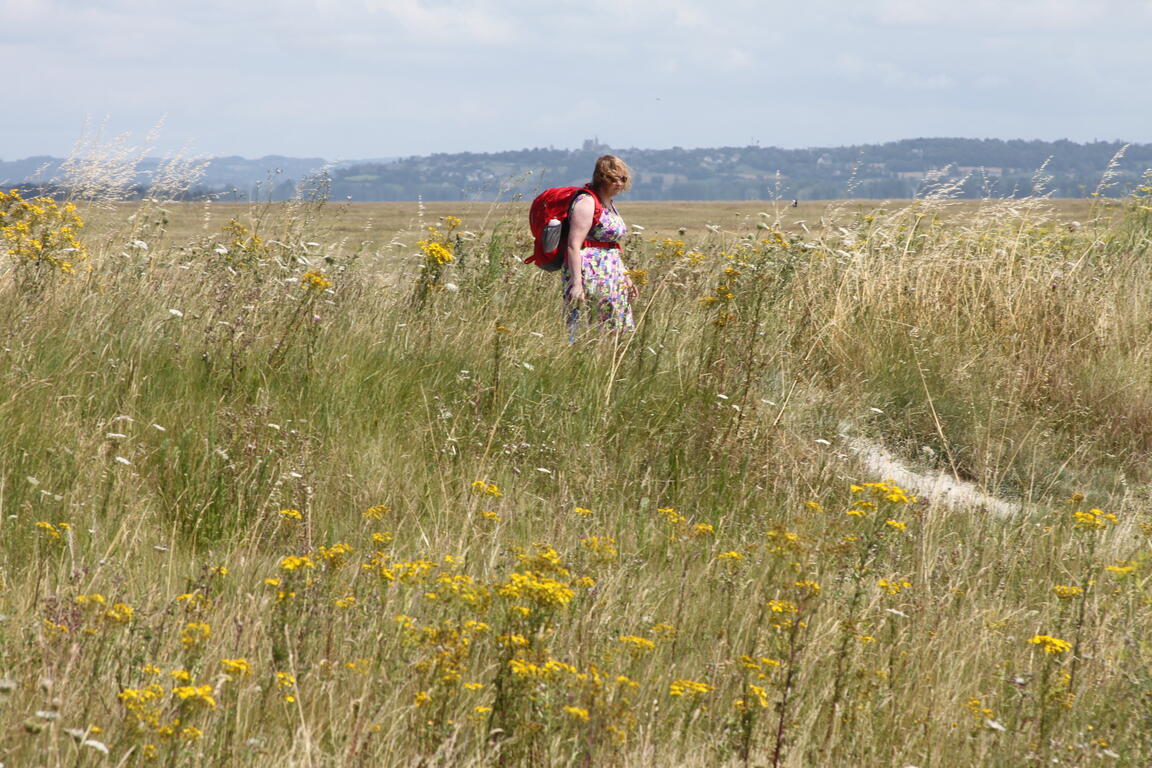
[(605, 278)]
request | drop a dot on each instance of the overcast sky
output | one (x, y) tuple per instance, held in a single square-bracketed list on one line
[(344, 79)]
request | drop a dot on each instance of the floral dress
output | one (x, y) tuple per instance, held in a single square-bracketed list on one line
[(605, 279)]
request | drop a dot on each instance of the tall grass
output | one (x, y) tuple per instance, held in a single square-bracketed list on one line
[(268, 500)]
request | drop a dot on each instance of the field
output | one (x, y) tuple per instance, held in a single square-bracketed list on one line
[(321, 484), (377, 225)]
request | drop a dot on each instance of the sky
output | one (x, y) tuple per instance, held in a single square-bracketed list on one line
[(348, 79)]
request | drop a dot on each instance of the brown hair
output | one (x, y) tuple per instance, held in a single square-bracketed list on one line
[(611, 170)]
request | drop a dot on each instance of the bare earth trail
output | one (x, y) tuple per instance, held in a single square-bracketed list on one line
[(939, 487)]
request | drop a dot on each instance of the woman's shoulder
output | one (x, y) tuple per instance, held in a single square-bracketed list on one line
[(584, 199)]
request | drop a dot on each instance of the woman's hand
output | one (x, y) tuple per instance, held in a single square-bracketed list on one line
[(630, 288), (576, 293)]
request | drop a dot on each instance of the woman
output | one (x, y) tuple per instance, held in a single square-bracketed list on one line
[(593, 270)]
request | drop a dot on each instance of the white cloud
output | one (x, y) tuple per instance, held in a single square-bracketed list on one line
[(736, 60), (376, 77), (471, 21), (891, 74), (999, 14)]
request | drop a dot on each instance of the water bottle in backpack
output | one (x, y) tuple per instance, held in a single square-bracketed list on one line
[(551, 235)]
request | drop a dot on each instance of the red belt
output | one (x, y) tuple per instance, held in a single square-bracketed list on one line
[(601, 244)]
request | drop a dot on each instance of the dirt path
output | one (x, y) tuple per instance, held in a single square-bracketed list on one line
[(939, 487)]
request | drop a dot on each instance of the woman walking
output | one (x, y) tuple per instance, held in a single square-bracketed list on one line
[(594, 275)]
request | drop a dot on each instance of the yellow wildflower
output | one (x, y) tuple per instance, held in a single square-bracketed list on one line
[(758, 696), (53, 532), (484, 488), (292, 562), (195, 694), (887, 491), (577, 713), (543, 591), (238, 667), (1093, 520), (1053, 645), (119, 614), (93, 599), (376, 513), (689, 688), (637, 646), (893, 587), (195, 633), (512, 641), (604, 547), (287, 684), (335, 555), (436, 252), (315, 280)]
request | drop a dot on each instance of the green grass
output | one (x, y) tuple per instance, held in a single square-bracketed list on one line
[(684, 484)]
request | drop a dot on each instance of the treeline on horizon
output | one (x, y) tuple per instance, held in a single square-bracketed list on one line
[(965, 168)]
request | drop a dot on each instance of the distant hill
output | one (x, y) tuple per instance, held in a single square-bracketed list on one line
[(901, 169), (226, 177)]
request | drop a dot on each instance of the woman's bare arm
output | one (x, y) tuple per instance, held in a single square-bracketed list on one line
[(579, 225)]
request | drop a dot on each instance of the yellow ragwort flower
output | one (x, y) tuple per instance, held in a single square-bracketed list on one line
[(637, 646), (1053, 645), (315, 280), (577, 713), (689, 688), (1093, 520), (892, 586), (292, 563), (238, 667), (195, 694), (376, 513), (484, 488), (195, 633)]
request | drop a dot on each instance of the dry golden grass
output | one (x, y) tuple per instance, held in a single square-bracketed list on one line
[(375, 225), (270, 500)]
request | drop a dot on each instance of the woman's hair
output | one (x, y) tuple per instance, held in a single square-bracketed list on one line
[(611, 169)]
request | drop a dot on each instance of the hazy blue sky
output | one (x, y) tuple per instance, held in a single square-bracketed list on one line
[(371, 78)]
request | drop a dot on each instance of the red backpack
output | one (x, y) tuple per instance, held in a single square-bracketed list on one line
[(548, 220)]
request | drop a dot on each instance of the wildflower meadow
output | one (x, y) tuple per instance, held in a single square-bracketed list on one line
[(272, 497)]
